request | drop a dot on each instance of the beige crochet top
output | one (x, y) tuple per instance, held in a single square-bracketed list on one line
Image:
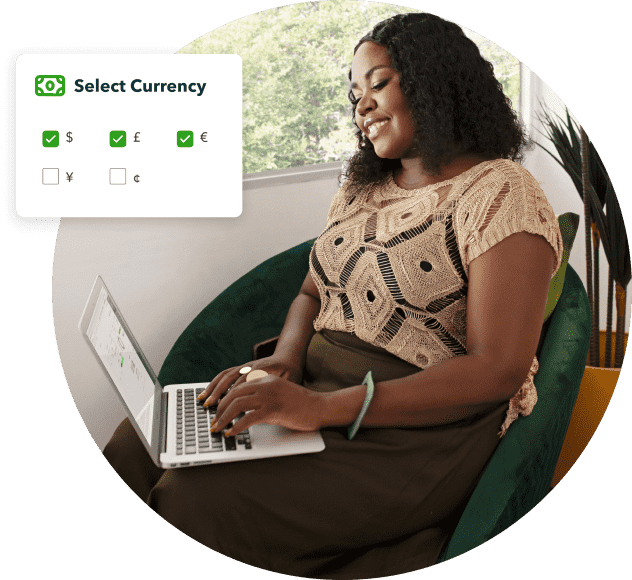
[(392, 264)]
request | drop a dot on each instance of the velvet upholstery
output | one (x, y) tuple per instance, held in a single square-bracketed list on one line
[(568, 222), (519, 473)]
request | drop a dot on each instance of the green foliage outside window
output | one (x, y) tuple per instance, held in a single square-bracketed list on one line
[(295, 65)]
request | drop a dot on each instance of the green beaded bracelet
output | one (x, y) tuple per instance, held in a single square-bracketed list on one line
[(368, 381)]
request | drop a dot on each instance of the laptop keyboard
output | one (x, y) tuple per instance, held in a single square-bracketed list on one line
[(193, 432)]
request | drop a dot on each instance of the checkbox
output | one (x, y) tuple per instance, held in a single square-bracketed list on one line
[(185, 138), (117, 176), (50, 138), (118, 138), (50, 176)]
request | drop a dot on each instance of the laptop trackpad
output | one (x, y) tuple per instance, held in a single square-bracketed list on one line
[(273, 436)]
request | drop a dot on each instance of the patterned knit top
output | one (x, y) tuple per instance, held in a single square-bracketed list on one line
[(392, 264)]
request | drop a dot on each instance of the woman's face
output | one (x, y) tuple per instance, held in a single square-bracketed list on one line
[(382, 112)]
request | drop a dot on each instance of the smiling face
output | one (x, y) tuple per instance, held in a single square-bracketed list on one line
[(382, 112)]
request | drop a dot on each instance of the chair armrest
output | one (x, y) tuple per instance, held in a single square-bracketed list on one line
[(265, 348)]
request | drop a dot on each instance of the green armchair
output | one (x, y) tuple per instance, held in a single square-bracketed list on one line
[(519, 473)]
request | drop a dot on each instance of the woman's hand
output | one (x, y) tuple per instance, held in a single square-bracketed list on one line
[(272, 400), (273, 365)]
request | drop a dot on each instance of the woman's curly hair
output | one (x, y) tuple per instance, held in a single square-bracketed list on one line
[(457, 104)]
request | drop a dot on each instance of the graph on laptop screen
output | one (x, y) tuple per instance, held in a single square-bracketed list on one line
[(122, 362)]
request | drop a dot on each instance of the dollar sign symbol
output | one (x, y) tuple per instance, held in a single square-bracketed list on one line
[(69, 135)]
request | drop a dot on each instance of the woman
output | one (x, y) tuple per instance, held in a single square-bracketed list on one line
[(432, 273)]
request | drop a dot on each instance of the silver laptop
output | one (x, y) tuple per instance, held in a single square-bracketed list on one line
[(174, 427)]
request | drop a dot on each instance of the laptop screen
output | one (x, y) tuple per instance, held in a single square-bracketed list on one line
[(123, 363)]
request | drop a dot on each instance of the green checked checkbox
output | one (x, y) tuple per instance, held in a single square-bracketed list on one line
[(118, 138), (185, 138), (50, 138)]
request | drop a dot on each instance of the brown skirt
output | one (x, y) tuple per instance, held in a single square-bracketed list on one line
[(379, 505)]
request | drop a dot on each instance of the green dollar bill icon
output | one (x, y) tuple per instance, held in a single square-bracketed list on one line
[(50, 138), (50, 85)]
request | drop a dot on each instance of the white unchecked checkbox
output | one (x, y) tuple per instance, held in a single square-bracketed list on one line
[(50, 176), (117, 176)]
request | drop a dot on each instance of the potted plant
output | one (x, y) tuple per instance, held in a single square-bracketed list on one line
[(603, 224)]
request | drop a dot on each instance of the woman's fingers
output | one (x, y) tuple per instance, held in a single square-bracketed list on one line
[(237, 375), (271, 400), (205, 394), (230, 378), (209, 389), (220, 384), (247, 421), (232, 406)]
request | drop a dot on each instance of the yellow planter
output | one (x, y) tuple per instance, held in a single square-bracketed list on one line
[(594, 395)]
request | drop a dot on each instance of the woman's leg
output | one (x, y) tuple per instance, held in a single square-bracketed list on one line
[(129, 458), (309, 515)]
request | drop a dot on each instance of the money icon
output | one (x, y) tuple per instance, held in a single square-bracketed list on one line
[(69, 175), (69, 135), (203, 137), (137, 178), (50, 85)]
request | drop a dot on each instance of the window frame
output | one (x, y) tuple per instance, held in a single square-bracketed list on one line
[(276, 177)]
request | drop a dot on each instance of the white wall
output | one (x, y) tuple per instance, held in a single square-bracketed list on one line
[(162, 272)]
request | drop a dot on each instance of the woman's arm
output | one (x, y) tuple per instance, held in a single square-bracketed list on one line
[(289, 355), (298, 328), (508, 289)]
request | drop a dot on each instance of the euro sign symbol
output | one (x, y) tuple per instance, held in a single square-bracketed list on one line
[(136, 178), (69, 135), (203, 137)]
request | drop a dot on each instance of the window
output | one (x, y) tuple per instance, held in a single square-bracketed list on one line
[(295, 64)]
